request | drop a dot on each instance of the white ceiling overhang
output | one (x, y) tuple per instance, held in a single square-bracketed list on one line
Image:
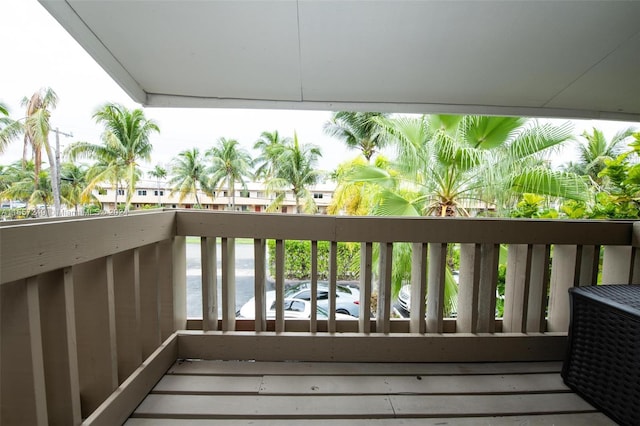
[(577, 59)]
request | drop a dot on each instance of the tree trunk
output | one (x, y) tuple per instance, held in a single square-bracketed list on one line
[(53, 173), (116, 199), (232, 188)]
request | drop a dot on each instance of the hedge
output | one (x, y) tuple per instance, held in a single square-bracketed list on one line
[(297, 260)]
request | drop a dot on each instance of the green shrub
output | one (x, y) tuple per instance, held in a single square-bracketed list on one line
[(297, 260)]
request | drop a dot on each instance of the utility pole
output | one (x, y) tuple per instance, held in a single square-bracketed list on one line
[(56, 197)]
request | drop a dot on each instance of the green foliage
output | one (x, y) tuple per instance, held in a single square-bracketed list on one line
[(358, 130), (532, 206), (297, 260), (92, 209)]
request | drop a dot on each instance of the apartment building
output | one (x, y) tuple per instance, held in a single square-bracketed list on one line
[(253, 198)]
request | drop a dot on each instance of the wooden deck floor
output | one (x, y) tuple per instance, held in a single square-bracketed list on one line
[(233, 393)]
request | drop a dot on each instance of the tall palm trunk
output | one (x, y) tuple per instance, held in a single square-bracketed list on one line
[(115, 208), (232, 188), (195, 192), (53, 172)]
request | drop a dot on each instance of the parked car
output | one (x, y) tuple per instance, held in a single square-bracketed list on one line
[(404, 297), (347, 298), (301, 309)]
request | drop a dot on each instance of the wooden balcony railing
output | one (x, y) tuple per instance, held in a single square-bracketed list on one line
[(93, 310)]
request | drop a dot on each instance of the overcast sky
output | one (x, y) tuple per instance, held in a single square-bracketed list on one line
[(38, 52)]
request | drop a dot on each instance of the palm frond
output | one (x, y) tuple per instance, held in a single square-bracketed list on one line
[(544, 181)]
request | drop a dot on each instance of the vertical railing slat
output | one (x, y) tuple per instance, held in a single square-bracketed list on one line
[(635, 273), (333, 284), (516, 293), (209, 264), (617, 265), (489, 258), (165, 275), (111, 308), (565, 267), (126, 270), (149, 299), (179, 288), (279, 286), (589, 265), (313, 322), (417, 322), (383, 317), (364, 320), (58, 348), (259, 286), (72, 346), (228, 284), (635, 241), (37, 358), (468, 288), (538, 289), (435, 286), (93, 283), (18, 393)]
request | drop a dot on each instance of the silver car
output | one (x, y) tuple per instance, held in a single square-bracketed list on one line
[(347, 298)]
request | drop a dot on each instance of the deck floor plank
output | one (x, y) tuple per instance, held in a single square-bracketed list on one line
[(235, 368), (233, 406), (470, 384), (236, 393), (209, 384), (591, 419), (356, 406)]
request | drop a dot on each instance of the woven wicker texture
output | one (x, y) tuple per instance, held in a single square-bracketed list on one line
[(603, 364)]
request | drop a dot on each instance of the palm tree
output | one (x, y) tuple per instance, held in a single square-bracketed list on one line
[(73, 186), (36, 135), (125, 141), (597, 149), (295, 169), (9, 128), (268, 144), (447, 162), (358, 130), (230, 163), (23, 186), (350, 197), (158, 173), (188, 174)]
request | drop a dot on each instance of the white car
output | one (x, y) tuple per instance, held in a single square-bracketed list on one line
[(301, 309), (404, 297), (347, 299)]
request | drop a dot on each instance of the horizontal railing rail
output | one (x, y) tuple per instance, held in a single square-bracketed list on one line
[(536, 284), (86, 303)]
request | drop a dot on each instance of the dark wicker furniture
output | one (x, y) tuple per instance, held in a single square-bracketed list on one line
[(603, 358)]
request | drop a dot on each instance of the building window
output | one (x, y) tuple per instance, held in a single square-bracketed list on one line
[(156, 193), (244, 194), (120, 191), (142, 192), (317, 195), (102, 191)]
